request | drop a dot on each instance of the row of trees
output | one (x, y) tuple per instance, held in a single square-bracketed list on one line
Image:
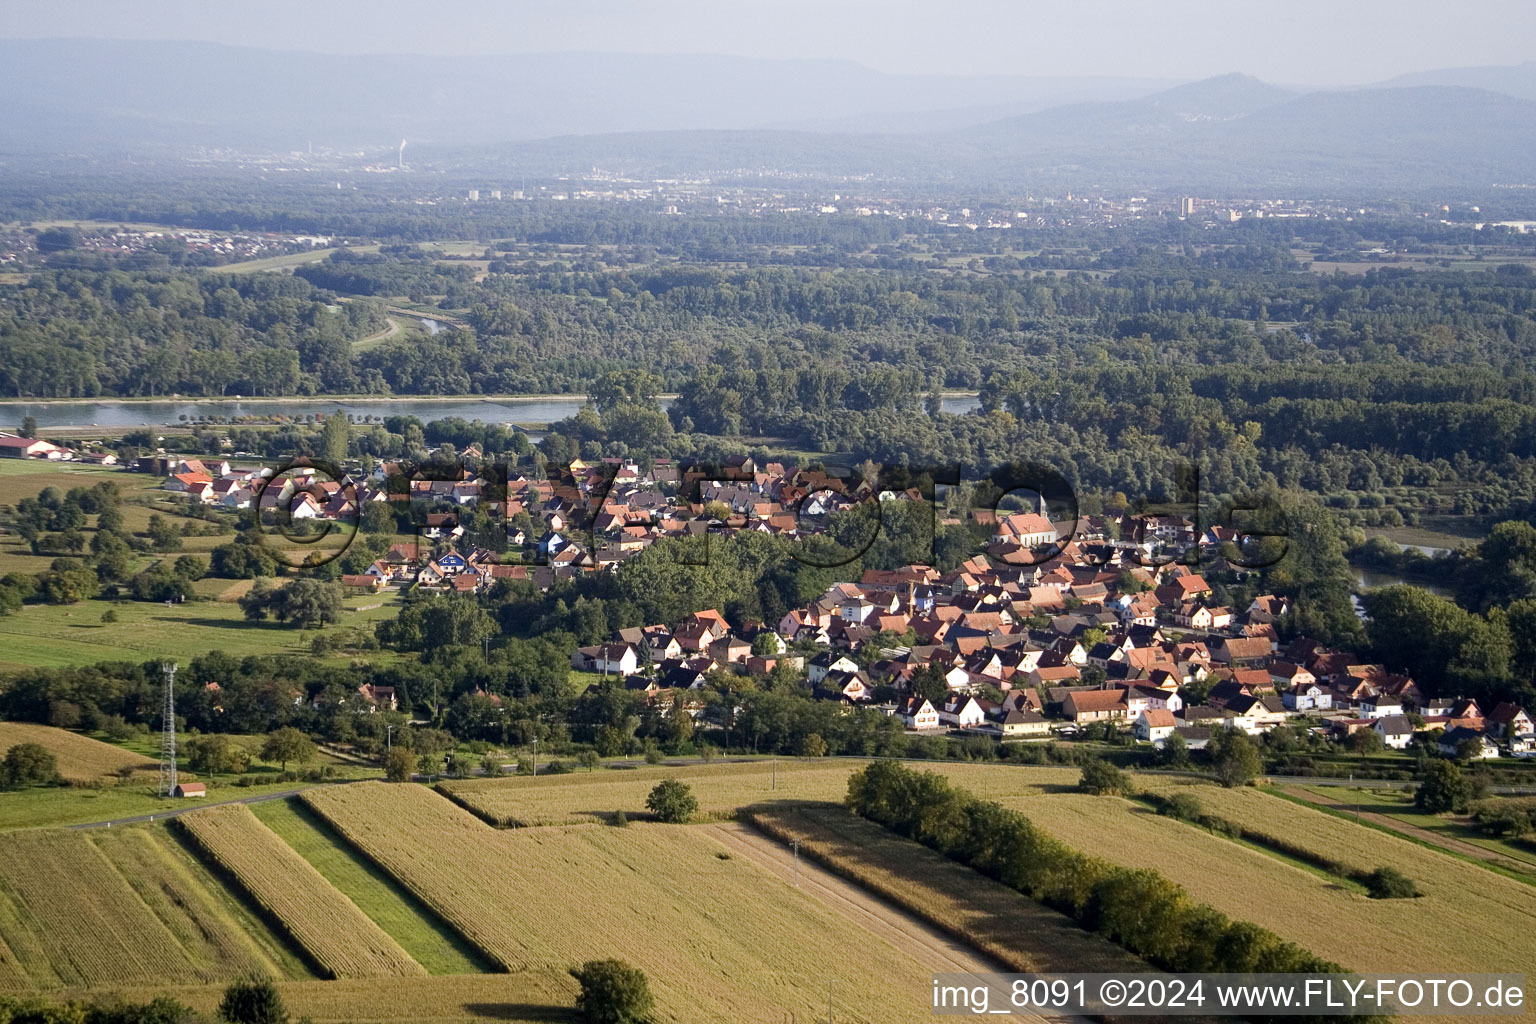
[(1137, 908)]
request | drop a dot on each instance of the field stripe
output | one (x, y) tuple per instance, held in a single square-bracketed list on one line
[(428, 939), (343, 940)]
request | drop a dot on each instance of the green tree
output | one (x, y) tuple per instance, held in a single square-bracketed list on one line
[(672, 801), (811, 745), (1174, 752), (288, 744), (491, 764), (216, 754), (1104, 779), (1444, 789), (68, 586), (28, 427), (335, 438), (612, 992), (398, 762), (163, 534), (256, 603), (589, 759), (308, 603), (29, 764), (928, 682), (377, 519), (253, 1001), (1235, 757)]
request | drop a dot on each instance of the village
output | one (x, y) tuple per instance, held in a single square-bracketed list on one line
[(1055, 629)]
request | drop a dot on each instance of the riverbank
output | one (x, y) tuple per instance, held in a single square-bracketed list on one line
[(321, 399)]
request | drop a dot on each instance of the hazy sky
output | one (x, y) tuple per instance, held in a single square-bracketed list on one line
[(1320, 42)]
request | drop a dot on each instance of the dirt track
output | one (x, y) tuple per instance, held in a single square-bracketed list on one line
[(913, 936), (1450, 843)]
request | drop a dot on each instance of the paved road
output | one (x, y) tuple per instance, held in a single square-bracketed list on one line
[(194, 804)]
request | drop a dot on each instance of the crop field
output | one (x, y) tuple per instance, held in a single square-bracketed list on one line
[(1454, 832), (418, 930), (337, 936), (81, 759), (543, 996), (585, 797), (122, 907), (1470, 920), (720, 938), (1009, 926)]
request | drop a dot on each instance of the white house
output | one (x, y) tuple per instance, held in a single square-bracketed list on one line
[(1307, 697), (962, 711), (1395, 730), (824, 664), (1155, 725), (917, 713)]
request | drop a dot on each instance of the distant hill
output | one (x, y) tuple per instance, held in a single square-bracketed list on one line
[(1517, 80), (61, 92), (669, 115), (1232, 131)]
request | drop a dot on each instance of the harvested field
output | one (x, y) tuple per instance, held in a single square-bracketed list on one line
[(1469, 920), (1019, 933), (720, 937), (81, 759), (530, 997), (335, 934), (594, 796), (122, 907)]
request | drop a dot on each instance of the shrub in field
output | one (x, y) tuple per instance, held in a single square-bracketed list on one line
[(1505, 817), (253, 1001), (1390, 884), (620, 819), (672, 801), (1103, 779), (1183, 806), (612, 992)]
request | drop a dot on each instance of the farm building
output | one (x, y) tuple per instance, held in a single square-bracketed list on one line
[(12, 447), (190, 789)]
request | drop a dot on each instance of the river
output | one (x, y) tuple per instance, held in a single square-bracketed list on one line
[(170, 412)]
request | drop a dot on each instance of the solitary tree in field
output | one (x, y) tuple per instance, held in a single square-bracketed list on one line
[(612, 992), (398, 764), (253, 1001), (1104, 779), (288, 744), (29, 764), (672, 801), (1235, 757), (589, 759)]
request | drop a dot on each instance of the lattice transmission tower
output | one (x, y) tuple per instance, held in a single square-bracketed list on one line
[(168, 732)]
